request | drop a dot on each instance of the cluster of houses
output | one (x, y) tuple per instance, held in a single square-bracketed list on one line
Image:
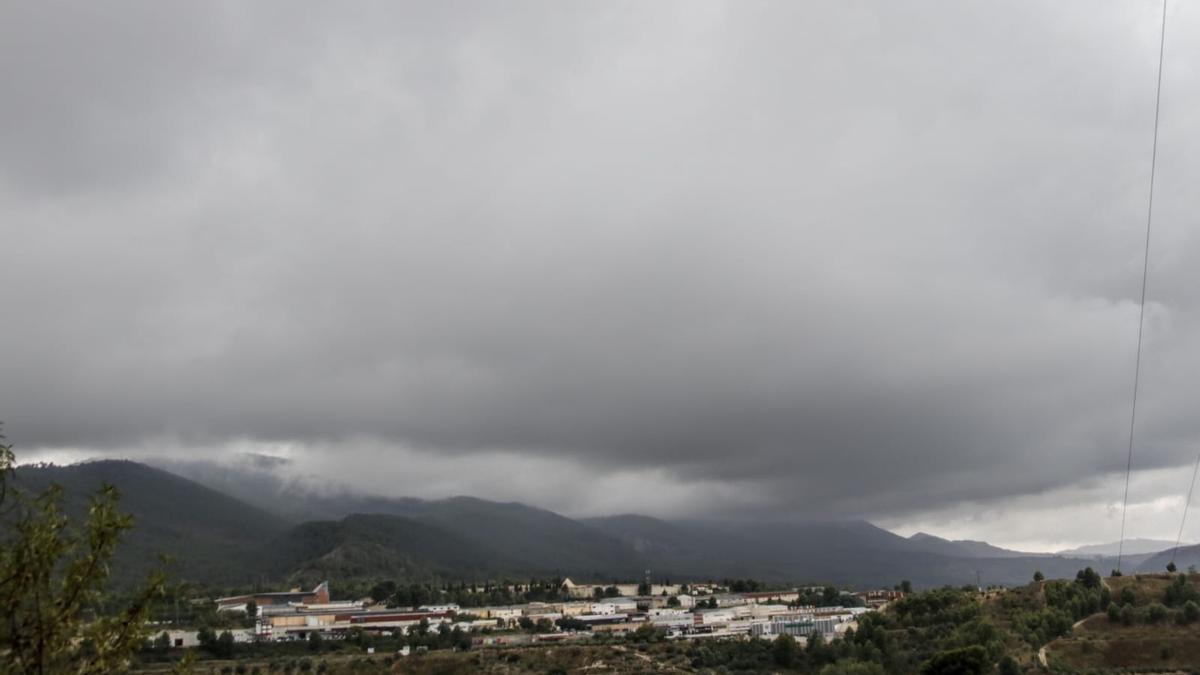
[(703, 612)]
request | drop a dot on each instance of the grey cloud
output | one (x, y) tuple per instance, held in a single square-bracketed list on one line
[(862, 258)]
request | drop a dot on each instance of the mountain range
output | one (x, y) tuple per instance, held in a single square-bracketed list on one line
[(256, 529), (1130, 547)]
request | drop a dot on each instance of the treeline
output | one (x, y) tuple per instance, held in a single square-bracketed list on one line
[(828, 596), (466, 594), (506, 592)]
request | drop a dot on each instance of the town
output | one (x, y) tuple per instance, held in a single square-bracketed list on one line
[(586, 611)]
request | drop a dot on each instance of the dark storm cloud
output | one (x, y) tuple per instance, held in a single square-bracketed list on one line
[(847, 256)]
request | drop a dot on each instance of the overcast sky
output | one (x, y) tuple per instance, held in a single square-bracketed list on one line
[(824, 258)]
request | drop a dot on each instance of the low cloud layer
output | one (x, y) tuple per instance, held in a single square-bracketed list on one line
[(763, 258)]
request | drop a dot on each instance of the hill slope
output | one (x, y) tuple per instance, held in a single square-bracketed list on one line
[(1132, 547), (525, 538), (1185, 557), (369, 545), (211, 536), (535, 539)]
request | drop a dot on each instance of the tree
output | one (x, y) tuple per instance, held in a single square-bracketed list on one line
[(1038, 576), (207, 638), (817, 652), (1089, 577), (314, 641), (382, 591), (224, 646), (461, 639), (1114, 613), (1009, 666), (1179, 592), (971, 660), (1127, 596), (647, 632), (1127, 615), (906, 587), (1156, 612), (784, 650), (672, 601), (53, 574), (570, 623), (829, 596), (849, 668), (1191, 611), (1171, 567)]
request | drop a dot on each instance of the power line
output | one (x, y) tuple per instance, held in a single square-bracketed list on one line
[(1137, 367), (1185, 510)]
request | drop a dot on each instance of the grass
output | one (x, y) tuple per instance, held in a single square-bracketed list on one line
[(1143, 647)]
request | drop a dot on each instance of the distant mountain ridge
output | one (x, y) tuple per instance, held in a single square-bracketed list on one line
[(1131, 547), (221, 539), (853, 553), (1185, 558), (967, 548)]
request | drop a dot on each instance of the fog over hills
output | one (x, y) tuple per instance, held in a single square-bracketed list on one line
[(221, 538)]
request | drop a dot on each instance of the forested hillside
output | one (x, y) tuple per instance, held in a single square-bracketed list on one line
[(208, 535)]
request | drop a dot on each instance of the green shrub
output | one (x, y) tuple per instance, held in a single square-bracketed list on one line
[(1128, 616), (1191, 611), (1127, 596), (1156, 612)]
